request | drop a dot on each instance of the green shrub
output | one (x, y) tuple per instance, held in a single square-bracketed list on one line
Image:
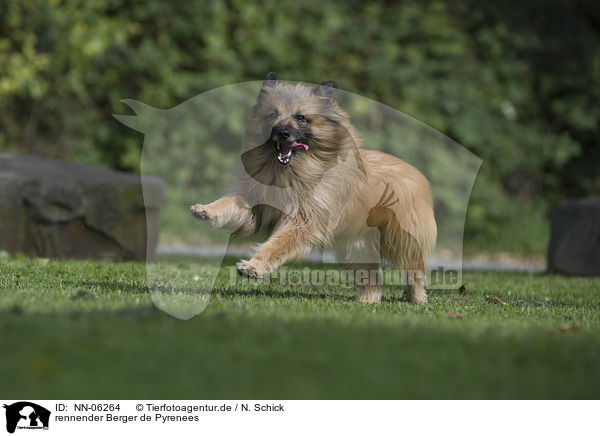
[(514, 82)]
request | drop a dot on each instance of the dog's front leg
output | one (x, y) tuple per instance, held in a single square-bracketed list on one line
[(290, 241), (227, 212)]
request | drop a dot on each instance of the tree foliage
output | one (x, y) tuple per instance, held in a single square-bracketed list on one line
[(515, 82)]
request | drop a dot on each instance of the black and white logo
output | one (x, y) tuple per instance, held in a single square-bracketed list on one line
[(26, 415)]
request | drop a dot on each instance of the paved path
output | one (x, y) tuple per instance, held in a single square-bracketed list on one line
[(317, 256)]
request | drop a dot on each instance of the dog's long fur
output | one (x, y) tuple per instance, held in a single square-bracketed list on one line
[(333, 194)]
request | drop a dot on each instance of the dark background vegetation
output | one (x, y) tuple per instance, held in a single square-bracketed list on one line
[(515, 82)]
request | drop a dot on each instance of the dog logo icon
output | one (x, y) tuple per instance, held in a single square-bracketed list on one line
[(26, 415)]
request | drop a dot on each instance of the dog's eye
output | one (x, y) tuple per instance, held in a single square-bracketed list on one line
[(301, 118), (273, 115)]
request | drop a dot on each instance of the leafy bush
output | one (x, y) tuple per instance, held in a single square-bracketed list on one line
[(514, 82)]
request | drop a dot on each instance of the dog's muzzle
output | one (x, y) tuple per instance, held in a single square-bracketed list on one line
[(284, 151), (287, 143)]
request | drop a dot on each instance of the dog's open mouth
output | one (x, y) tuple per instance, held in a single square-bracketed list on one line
[(284, 151)]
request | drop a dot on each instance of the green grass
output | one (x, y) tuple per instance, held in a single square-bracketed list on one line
[(89, 329)]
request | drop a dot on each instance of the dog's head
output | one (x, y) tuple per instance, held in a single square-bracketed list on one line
[(296, 123)]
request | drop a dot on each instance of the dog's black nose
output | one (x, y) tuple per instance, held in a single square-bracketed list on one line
[(281, 132)]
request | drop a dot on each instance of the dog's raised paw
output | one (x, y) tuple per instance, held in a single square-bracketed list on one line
[(199, 212), (245, 268)]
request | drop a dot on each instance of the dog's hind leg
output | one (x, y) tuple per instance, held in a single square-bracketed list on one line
[(415, 288), (404, 252), (369, 280), (363, 259)]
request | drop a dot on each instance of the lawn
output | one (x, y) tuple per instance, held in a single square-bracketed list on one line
[(89, 329)]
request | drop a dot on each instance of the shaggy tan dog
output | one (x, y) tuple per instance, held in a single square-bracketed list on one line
[(305, 178)]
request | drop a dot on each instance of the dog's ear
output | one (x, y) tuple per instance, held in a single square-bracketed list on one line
[(326, 89), (270, 81)]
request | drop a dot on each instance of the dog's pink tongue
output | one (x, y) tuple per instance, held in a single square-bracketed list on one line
[(299, 145)]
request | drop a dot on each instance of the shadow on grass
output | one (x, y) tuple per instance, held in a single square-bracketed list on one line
[(349, 294), (311, 293), (107, 285), (142, 311)]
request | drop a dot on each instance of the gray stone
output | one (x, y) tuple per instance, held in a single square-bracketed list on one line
[(53, 208), (575, 238)]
